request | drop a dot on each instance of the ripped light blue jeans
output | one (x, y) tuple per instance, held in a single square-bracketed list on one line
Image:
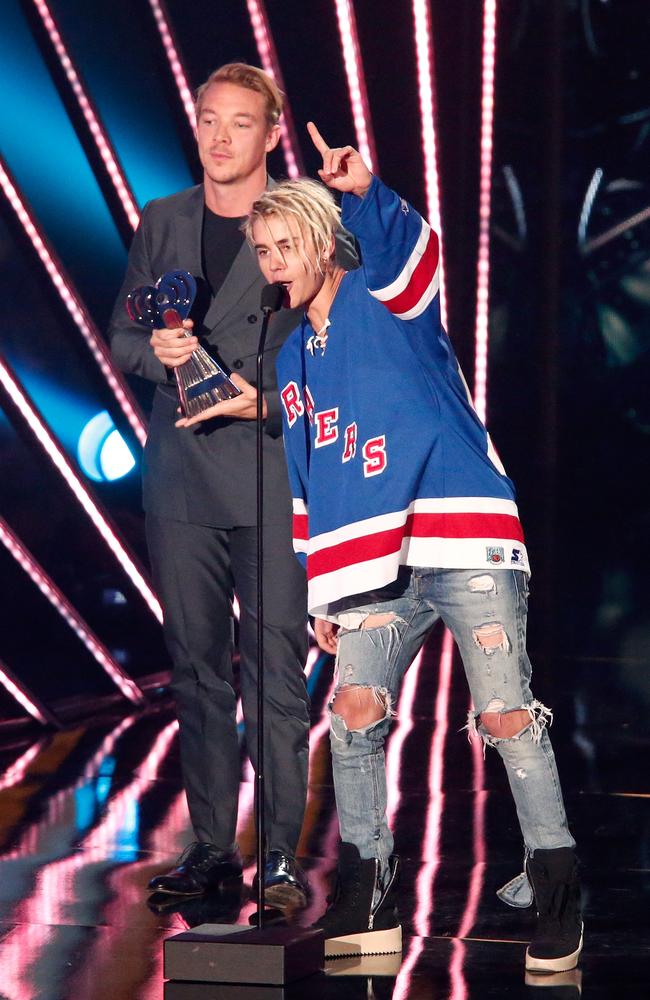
[(486, 613)]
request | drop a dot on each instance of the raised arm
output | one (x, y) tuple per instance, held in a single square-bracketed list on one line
[(399, 250)]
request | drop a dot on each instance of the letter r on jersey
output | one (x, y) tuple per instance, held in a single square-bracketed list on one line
[(309, 403), (350, 438), (293, 405)]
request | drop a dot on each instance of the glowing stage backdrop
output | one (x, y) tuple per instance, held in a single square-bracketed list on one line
[(539, 191)]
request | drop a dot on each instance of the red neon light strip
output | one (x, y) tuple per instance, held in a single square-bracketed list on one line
[(100, 138), (20, 693), (75, 307), (55, 454), (271, 65), (485, 190), (356, 82), (60, 603), (425, 68), (174, 59)]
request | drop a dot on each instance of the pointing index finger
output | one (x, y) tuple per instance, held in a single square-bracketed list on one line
[(317, 138)]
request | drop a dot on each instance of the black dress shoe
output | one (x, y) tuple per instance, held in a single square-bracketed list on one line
[(285, 884), (213, 907), (200, 867)]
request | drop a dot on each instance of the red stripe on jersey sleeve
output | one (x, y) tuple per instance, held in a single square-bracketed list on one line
[(420, 279), (301, 527)]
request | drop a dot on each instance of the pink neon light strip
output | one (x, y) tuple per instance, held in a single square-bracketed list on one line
[(271, 65), (48, 588), (431, 845), (125, 886), (20, 694), (425, 68), (63, 466), (398, 738), (106, 151), (479, 845), (17, 771), (459, 985), (431, 842), (46, 903), (356, 82), (174, 59), (73, 304), (485, 189), (36, 834)]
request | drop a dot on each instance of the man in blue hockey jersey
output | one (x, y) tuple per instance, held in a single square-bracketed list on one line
[(403, 515)]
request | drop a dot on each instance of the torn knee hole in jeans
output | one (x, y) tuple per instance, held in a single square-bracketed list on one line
[(491, 638), (539, 717), (356, 712)]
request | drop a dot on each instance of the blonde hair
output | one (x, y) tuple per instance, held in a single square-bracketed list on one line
[(310, 204), (250, 78)]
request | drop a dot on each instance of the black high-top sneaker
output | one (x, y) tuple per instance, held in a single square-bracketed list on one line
[(351, 924), (557, 942)]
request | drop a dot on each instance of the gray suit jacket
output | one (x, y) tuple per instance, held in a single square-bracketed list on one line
[(206, 475)]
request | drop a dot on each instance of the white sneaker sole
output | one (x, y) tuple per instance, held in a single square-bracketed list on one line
[(365, 965), (548, 965), (388, 942)]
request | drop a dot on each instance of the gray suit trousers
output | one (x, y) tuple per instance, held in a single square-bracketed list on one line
[(196, 570)]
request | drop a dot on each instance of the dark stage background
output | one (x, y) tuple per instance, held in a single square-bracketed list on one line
[(569, 293)]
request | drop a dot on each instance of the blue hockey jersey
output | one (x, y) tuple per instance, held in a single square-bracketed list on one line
[(388, 461)]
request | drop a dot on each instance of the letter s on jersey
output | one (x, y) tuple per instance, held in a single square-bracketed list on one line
[(374, 455), (293, 405)]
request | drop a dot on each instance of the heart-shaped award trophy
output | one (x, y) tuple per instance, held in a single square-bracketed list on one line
[(201, 381)]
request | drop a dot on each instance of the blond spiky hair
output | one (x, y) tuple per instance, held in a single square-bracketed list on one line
[(310, 204)]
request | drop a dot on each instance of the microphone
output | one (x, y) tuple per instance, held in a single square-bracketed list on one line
[(272, 298)]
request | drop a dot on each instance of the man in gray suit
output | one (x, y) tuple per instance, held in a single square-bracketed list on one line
[(200, 498)]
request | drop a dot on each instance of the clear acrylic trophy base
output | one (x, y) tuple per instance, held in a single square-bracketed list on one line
[(202, 383)]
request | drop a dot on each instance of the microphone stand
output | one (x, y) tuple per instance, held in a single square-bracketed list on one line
[(226, 953), (259, 771)]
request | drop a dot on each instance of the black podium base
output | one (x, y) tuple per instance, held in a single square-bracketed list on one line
[(233, 991), (231, 953)]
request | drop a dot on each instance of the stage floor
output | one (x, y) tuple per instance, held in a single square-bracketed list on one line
[(88, 815)]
